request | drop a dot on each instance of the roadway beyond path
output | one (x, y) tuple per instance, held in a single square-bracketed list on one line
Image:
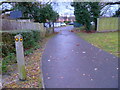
[(70, 62)]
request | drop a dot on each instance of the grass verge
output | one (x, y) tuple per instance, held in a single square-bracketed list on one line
[(106, 41)]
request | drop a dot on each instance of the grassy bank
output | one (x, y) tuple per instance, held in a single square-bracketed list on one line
[(106, 41)]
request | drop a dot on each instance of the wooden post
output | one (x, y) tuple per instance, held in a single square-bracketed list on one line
[(20, 56), (97, 24)]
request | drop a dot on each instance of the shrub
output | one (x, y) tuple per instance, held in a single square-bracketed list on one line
[(67, 22), (8, 42), (36, 36), (8, 60), (30, 38), (82, 28), (49, 31), (8, 45), (93, 27)]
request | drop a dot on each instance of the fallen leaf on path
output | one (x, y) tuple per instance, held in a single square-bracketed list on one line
[(49, 77), (48, 60), (83, 74), (83, 52), (77, 44), (95, 69), (61, 77), (91, 79)]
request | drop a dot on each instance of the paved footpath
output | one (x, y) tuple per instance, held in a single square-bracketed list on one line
[(70, 62)]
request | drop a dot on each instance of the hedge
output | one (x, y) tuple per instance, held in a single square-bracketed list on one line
[(30, 39), (8, 42)]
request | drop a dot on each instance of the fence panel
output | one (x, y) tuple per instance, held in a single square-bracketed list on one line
[(108, 24)]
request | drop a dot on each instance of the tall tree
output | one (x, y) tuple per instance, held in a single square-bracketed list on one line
[(54, 18), (37, 11), (94, 12), (117, 13), (86, 12), (28, 9)]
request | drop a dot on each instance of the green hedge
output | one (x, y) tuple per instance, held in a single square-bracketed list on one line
[(49, 31), (83, 27), (30, 39), (8, 42)]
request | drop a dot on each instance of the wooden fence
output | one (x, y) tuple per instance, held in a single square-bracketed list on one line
[(13, 25), (108, 24)]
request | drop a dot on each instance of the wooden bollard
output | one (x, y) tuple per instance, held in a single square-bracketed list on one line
[(20, 57)]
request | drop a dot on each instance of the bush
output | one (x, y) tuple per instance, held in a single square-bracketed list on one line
[(8, 60), (49, 31), (82, 28), (30, 38), (8, 45), (67, 22), (93, 27), (36, 35), (8, 41)]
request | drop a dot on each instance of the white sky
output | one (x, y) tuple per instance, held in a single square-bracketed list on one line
[(111, 10), (64, 0), (65, 8), (8, 6)]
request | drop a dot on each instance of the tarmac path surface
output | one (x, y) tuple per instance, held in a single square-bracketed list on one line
[(70, 62)]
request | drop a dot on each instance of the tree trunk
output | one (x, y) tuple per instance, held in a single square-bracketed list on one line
[(95, 24), (49, 24), (53, 27)]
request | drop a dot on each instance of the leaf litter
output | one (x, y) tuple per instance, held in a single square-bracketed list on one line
[(32, 65)]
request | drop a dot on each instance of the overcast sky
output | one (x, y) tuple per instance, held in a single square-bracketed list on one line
[(65, 8)]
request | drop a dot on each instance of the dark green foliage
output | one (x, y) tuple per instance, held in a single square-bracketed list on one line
[(8, 44), (30, 42), (82, 28), (95, 12), (8, 60), (82, 14), (28, 39), (39, 12), (29, 9), (67, 22), (29, 51), (86, 12), (36, 36), (117, 13), (49, 31)]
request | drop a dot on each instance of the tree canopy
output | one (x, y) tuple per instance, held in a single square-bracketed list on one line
[(39, 12), (117, 13), (86, 12)]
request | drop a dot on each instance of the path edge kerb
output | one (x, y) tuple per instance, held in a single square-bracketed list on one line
[(43, 85), (41, 75)]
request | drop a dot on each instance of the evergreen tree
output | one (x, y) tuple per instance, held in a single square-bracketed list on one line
[(39, 12), (86, 12)]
